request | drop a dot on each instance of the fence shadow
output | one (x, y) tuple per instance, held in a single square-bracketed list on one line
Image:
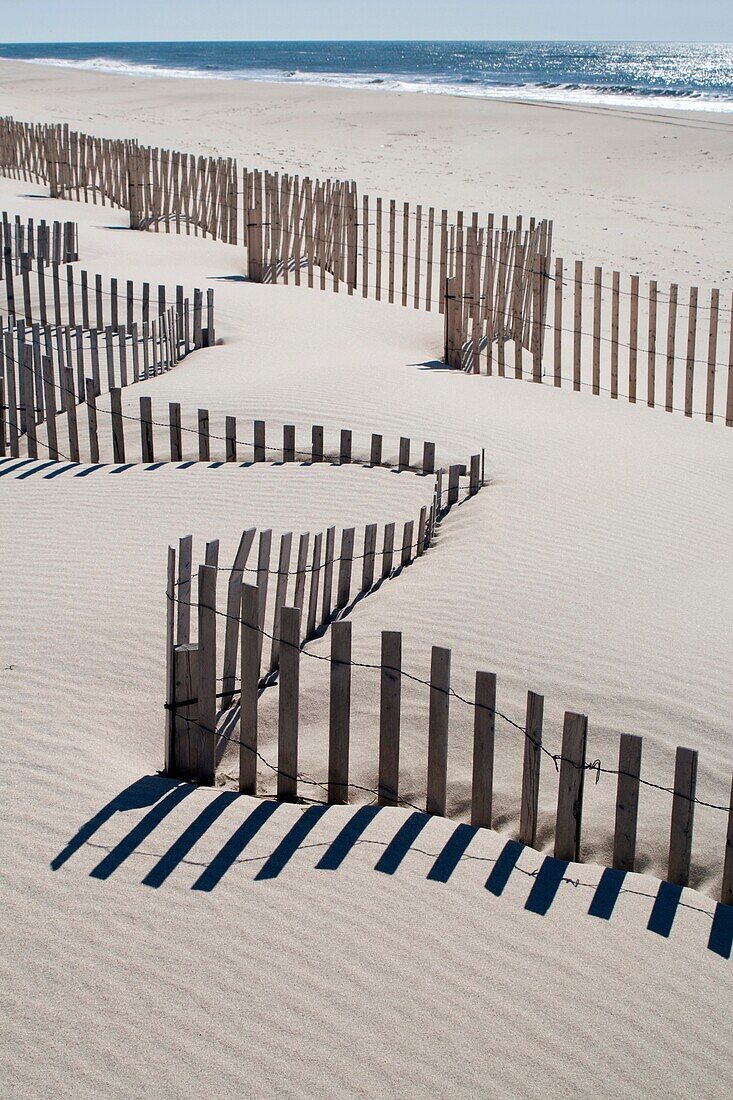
[(160, 797)]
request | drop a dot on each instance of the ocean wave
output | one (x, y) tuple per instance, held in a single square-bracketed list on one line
[(469, 86), (128, 68)]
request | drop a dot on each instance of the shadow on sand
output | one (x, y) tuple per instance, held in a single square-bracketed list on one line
[(160, 797)]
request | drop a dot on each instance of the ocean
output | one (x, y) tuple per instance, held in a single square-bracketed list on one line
[(690, 76)]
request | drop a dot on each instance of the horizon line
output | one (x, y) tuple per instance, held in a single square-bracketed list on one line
[(273, 41)]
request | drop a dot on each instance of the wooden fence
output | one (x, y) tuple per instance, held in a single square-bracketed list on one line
[(43, 243), (47, 368), (61, 295), (493, 282), (182, 437), (324, 234), (325, 583), (199, 729), (310, 232), (663, 347)]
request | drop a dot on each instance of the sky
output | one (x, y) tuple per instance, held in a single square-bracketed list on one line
[(192, 20)]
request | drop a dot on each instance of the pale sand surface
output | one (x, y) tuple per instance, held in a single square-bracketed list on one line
[(595, 568)]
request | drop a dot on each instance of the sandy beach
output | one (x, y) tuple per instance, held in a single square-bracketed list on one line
[(595, 568)]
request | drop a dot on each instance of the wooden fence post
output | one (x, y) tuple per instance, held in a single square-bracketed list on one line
[(428, 458), (453, 313), (185, 732), (404, 454), (92, 420), (170, 614), (339, 713), (317, 443), (531, 769), (281, 591), (328, 574), (651, 357), (250, 675), (387, 550), (146, 430), (438, 731), (627, 802), (484, 718), (70, 399), (671, 343), (176, 435), (259, 440), (264, 551), (578, 324), (315, 582), (210, 331), (691, 340), (537, 320), (407, 537), (230, 434), (345, 448), (683, 813), (343, 591), (597, 292), (207, 675), (454, 474), (726, 892), (300, 571), (287, 734), (570, 789), (712, 355), (376, 451), (185, 558), (204, 441), (475, 475), (389, 718), (288, 443), (370, 548), (50, 396), (557, 353)]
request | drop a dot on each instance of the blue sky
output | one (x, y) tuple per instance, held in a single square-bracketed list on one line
[(158, 20)]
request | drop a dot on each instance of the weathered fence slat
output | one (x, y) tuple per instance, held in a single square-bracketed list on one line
[(207, 674), (250, 674), (288, 704), (390, 718), (570, 789), (482, 785), (683, 813), (339, 713), (531, 769), (627, 802), (438, 731)]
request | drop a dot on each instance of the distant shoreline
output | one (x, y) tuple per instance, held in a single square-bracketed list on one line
[(628, 76)]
